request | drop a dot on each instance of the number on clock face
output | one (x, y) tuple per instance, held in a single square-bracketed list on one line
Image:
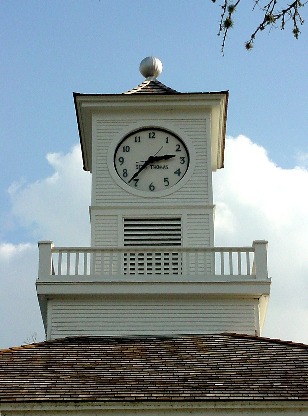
[(151, 159)]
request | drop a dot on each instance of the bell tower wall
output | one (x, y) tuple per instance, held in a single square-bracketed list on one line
[(113, 201)]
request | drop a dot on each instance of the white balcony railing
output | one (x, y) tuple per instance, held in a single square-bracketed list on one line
[(109, 262)]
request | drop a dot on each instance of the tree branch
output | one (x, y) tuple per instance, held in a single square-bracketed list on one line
[(273, 16)]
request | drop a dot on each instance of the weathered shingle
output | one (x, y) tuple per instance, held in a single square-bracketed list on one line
[(209, 367), (152, 87)]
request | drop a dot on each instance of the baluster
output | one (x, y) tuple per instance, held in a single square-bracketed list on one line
[(128, 263), (104, 265), (85, 263), (248, 262), (197, 263), (162, 262), (152, 260), (118, 270), (230, 263), (121, 262), (210, 262), (165, 260), (68, 263), (60, 263), (100, 263), (111, 264), (185, 262), (239, 262), (76, 262), (222, 263), (146, 262), (211, 258), (180, 262), (92, 262), (204, 260)]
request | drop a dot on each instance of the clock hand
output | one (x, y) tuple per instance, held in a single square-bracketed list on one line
[(154, 156), (145, 164), (151, 159), (158, 151), (163, 157)]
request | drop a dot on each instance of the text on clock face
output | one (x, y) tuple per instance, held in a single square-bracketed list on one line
[(138, 166)]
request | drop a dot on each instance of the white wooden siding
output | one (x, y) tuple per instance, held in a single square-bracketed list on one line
[(116, 317), (198, 230), (197, 224), (105, 230), (106, 192)]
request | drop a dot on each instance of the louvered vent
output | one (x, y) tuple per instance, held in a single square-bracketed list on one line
[(152, 232)]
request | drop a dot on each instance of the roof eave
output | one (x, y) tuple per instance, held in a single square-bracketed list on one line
[(216, 102)]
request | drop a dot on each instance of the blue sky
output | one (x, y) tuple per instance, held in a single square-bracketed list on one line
[(53, 48)]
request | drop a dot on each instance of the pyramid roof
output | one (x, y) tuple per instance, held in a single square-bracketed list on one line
[(177, 368)]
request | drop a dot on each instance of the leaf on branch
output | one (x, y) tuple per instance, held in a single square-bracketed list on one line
[(274, 15), (228, 22), (248, 46)]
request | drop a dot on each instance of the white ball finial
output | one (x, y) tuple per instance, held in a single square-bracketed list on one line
[(150, 67)]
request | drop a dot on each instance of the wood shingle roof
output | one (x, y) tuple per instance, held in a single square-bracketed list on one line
[(178, 368), (152, 87)]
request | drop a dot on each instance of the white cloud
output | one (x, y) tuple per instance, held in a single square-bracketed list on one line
[(9, 251), (56, 208), (19, 311), (255, 199)]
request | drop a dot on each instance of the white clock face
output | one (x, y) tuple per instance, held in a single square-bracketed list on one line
[(151, 160)]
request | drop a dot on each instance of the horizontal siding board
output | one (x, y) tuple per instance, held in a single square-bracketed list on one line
[(198, 229), (196, 225), (107, 317), (105, 230)]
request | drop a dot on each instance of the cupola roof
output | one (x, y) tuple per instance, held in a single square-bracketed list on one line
[(178, 368), (150, 86)]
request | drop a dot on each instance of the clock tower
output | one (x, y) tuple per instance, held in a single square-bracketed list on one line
[(152, 267)]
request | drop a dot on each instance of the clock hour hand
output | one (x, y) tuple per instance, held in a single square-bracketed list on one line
[(163, 157)]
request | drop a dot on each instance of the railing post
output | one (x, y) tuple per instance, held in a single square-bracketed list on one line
[(260, 259), (45, 259)]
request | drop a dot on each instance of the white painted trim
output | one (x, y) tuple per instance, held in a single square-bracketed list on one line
[(49, 311), (131, 286), (214, 103), (177, 210)]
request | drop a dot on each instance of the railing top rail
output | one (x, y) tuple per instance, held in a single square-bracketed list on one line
[(151, 248)]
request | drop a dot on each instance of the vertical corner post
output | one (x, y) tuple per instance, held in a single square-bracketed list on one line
[(260, 260), (45, 259)]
